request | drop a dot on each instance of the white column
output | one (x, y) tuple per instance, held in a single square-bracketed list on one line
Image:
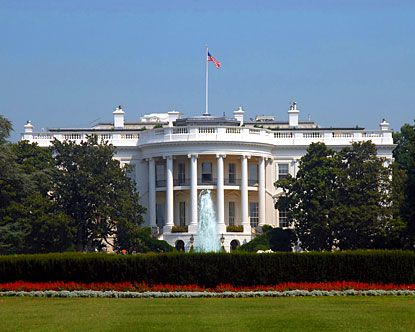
[(152, 192), (244, 194), (193, 193), (169, 192), (261, 191), (220, 195)]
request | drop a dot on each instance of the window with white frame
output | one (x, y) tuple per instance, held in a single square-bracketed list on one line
[(283, 170), (182, 213), (282, 218), (181, 175), (253, 213), (130, 171), (253, 174), (160, 214), (206, 172), (232, 173), (231, 214), (160, 175)]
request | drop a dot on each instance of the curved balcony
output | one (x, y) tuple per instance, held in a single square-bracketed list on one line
[(247, 135)]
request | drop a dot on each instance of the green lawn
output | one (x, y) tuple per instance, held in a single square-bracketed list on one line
[(254, 314)]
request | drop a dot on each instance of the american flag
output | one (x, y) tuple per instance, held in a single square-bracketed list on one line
[(212, 58)]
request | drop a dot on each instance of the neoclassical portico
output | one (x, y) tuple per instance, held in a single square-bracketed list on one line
[(254, 183)]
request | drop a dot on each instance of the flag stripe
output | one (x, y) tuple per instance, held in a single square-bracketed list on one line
[(212, 58)]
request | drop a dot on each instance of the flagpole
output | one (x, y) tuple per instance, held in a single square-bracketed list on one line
[(207, 84)]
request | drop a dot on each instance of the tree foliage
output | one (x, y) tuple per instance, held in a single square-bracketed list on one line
[(95, 191), (30, 220), (343, 199), (67, 197), (404, 155)]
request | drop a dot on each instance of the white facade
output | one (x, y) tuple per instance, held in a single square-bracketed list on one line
[(238, 160)]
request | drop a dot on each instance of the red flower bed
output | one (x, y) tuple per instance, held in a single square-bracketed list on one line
[(143, 287)]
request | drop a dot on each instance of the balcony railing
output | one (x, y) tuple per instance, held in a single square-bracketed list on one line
[(232, 182), (181, 182), (219, 133), (207, 181), (160, 183), (212, 181), (252, 182)]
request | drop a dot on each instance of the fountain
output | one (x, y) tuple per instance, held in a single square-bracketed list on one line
[(207, 239)]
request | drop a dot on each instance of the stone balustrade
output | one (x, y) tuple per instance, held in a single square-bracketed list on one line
[(296, 137)]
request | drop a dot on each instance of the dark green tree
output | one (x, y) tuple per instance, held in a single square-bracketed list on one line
[(309, 199), (30, 220), (5, 129), (404, 155), (96, 192), (364, 209), (12, 192), (343, 199)]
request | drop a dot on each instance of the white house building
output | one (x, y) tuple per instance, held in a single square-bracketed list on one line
[(174, 158)]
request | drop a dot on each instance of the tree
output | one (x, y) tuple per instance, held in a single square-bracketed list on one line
[(12, 191), (5, 129), (30, 220), (309, 199), (95, 191), (343, 199), (363, 212), (404, 155)]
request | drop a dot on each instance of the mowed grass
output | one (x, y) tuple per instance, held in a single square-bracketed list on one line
[(254, 314)]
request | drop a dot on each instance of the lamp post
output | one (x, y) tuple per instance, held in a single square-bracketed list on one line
[(222, 240), (191, 240)]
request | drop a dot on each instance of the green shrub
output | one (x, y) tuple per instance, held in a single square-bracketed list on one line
[(276, 239), (212, 269), (281, 239), (235, 228), (260, 242)]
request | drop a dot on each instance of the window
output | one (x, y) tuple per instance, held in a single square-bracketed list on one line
[(283, 219), (232, 173), (253, 174), (231, 214), (206, 172), (253, 213), (160, 214), (282, 171), (160, 175), (130, 172), (182, 213), (181, 174)]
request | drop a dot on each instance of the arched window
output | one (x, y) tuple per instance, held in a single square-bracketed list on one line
[(179, 245), (234, 244)]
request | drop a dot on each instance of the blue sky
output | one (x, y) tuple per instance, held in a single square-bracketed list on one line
[(69, 63)]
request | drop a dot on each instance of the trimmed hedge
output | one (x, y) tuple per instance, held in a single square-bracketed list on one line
[(239, 269)]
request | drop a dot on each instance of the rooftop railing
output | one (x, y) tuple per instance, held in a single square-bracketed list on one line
[(223, 134)]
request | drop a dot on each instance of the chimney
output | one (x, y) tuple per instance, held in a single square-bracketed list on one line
[(28, 131), (173, 116), (293, 115), (384, 125), (118, 118), (239, 115)]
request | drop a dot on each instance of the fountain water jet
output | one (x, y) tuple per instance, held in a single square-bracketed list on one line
[(207, 239)]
